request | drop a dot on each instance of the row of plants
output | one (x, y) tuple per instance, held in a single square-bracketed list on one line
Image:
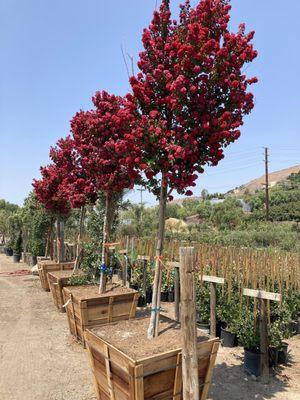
[(238, 316)]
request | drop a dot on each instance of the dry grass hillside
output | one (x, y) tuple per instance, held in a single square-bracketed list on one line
[(274, 178)]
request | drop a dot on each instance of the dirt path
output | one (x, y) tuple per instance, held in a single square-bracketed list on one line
[(39, 360)]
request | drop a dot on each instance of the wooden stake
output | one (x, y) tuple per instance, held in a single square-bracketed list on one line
[(213, 301), (177, 294), (188, 325), (264, 345), (155, 308)]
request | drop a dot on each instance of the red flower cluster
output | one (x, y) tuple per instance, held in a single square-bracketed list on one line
[(105, 144), (49, 190), (76, 185), (191, 92)]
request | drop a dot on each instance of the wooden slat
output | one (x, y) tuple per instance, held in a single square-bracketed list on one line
[(139, 383), (144, 258), (92, 365), (213, 279), (178, 379), (109, 375), (261, 294), (209, 371), (173, 264), (133, 305), (110, 309), (73, 314)]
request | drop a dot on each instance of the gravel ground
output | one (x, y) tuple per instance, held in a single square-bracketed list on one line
[(40, 361)]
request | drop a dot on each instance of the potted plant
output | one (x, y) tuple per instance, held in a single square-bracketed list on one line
[(202, 306), (248, 336), (17, 249), (228, 312)]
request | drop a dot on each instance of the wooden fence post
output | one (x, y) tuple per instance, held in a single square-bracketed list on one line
[(213, 302), (262, 297), (263, 336), (188, 325), (177, 294), (214, 280)]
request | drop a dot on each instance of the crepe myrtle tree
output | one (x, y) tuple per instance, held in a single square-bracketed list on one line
[(79, 188), (103, 140), (192, 96), (49, 191)]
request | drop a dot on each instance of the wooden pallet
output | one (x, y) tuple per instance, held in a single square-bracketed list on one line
[(48, 266), (83, 313), (118, 377)]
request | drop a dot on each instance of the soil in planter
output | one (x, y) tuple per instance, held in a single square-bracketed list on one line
[(91, 291), (131, 337)]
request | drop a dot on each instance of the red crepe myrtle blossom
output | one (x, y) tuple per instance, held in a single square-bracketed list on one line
[(191, 95), (49, 191), (78, 187), (103, 139), (191, 91)]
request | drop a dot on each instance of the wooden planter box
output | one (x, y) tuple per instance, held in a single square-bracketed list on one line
[(56, 281), (48, 266), (87, 308), (119, 376)]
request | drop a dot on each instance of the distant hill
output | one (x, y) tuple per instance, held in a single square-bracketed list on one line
[(274, 178)]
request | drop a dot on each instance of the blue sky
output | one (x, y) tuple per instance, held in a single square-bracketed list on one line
[(55, 54)]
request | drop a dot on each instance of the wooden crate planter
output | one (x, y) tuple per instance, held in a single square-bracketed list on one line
[(118, 376), (56, 281), (48, 266), (89, 309)]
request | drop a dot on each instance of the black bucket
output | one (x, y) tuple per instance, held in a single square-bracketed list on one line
[(252, 362), (283, 353), (149, 296), (9, 252), (273, 356), (171, 296), (204, 326), (228, 338), (164, 296), (142, 301), (16, 258), (33, 260)]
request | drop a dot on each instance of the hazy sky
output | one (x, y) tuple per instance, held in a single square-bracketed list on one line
[(55, 54)]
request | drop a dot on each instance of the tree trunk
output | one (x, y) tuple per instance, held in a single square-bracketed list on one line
[(79, 238), (106, 231), (155, 308), (60, 240)]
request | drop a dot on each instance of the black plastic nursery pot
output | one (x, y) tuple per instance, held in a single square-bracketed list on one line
[(252, 362), (149, 296), (16, 258), (171, 296), (164, 296), (204, 326), (283, 353), (273, 356), (142, 301), (228, 338), (33, 260), (9, 252)]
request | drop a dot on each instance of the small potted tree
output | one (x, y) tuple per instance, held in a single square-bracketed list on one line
[(248, 336), (101, 142), (49, 192)]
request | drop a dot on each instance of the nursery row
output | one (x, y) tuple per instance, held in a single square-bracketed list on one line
[(133, 369)]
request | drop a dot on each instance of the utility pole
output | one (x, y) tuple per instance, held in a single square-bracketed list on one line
[(267, 183)]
